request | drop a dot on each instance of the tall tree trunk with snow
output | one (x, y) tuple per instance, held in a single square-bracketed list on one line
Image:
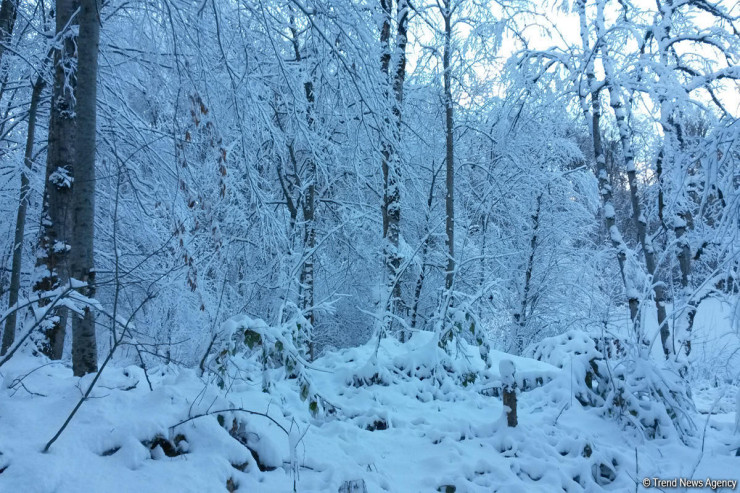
[(605, 188), (386, 7), (20, 220), (520, 318), (84, 347), (449, 147), (56, 221), (679, 222), (392, 189), (308, 207), (685, 302), (390, 138), (638, 217), (640, 222)]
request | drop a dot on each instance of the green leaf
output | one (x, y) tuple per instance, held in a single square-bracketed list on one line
[(313, 407), (469, 378), (252, 338)]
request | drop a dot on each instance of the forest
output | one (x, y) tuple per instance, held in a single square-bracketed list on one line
[(369, 245)]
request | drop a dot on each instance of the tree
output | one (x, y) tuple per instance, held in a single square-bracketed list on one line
[(84, 346), (8, 12), (447, 12), (56, 219), (390, 145), (20, 222)]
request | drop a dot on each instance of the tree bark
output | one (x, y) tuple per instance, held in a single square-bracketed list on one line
[(390, 159), (84, 346), (392, 190), (681, 223), (507, 371), (605, 188), (684, 262), (449, 147), (520, 318), (385, 61), (309, 210), (424, 251), (20, 221), (638, 217), (52, 257)]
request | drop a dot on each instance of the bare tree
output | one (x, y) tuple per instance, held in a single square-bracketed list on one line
[(20, 221)]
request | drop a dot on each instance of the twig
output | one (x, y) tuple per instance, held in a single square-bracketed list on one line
[(117, 342), (704, 433), (232, 409)]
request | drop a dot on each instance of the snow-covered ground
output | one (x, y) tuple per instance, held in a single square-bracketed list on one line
[(413, 431)]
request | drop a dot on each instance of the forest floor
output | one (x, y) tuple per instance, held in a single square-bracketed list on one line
[(414, 434)]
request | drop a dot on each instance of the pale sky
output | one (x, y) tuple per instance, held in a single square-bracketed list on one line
[(556, 27)]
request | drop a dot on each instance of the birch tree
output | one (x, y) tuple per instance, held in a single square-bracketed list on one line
[(393, 72)]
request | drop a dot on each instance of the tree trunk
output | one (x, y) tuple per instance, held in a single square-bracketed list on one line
[(640, 221), (385, 61), (389, 150), (84, 347), (393, 191), (520, 318), (507, 371), (8, 13), (20, 221), (56, 222), (684, 262), (309, 210), (605, 188), (424, 251), (681, 222), (450, 150)]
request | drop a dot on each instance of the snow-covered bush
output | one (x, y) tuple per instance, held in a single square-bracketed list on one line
[(248, 347), (603, 373)]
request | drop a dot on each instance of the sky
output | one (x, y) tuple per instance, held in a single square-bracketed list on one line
[(555, 25)]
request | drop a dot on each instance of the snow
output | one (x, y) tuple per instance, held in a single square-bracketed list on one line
[(60, 246), (419, 429), (679, 222), (716, 343), (61, 178), (614, 234)]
